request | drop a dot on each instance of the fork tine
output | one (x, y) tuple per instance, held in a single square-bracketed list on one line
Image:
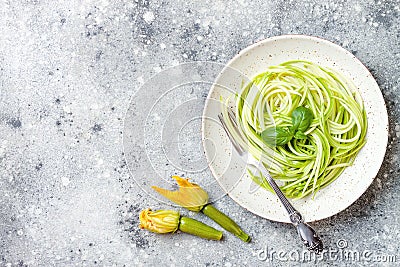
[(232, 118), (221, 119), (237, 146)]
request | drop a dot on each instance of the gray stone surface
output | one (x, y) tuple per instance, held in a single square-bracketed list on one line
[(67, 72)]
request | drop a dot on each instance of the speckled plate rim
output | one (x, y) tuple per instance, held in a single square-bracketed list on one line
[(275, 211)]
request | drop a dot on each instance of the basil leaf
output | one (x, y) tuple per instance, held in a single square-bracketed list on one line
[(276, 136), (300, 135), (301, 119)]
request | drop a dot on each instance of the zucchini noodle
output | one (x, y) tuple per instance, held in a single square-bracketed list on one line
[(334, 138)]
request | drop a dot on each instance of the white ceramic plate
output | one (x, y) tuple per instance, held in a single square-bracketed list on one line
[(230, 171)]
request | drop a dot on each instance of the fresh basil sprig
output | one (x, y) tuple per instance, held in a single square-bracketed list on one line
[(279, 136), (301, 119), (276, 136)]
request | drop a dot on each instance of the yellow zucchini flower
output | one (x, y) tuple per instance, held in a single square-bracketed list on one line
[(169, 221), (161, 221), (194, 198), (189, 195)]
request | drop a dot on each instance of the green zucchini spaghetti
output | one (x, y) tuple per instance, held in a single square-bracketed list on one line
[(315, 118)]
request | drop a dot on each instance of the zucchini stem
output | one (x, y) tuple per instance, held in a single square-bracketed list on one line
[(200, 229), (227, 223)]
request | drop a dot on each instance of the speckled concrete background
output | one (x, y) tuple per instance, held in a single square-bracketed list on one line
[(67, 72)]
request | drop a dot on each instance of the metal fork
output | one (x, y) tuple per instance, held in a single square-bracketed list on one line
[(306, 233)]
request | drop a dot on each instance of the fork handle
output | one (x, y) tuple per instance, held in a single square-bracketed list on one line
[(289, 208), (307, 234)]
